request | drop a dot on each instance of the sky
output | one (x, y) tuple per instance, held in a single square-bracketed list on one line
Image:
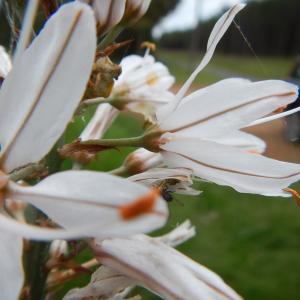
[(188, 12)]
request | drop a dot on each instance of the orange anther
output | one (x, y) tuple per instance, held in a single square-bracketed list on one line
[(142, 205), (295, 194), (280, 109), (148, 45), (253, 151)]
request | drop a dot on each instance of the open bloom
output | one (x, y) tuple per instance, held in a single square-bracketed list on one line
[(160, 268), (195, 131), (201, 131), (143, 84)]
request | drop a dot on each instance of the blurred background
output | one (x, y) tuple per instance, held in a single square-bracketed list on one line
[(253, 242)]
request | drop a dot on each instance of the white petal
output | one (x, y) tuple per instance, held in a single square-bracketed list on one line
[(5, 63), (11, 275), (179, 235), (217, 33), (93, 200), (162, 269), (105, 283), (46, 84), (41, 233), (225, 165), (228, 105), (100, 122), (275, 116), (242, 140)]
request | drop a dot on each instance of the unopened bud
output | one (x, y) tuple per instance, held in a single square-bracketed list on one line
[(142, 160), (58, 248), (108, 13), (100, 122), (134, 10)]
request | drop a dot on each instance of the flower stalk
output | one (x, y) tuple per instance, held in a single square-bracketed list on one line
[(26, 172), (113, 143)]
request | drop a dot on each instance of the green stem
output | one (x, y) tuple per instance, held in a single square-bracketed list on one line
[(89, 102), (124, 142), (35, 259), (110, 37), (25, 172)]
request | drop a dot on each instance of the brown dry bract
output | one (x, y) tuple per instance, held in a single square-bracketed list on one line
[(81, 152)]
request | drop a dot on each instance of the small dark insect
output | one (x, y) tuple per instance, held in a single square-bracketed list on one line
[(166, 194)]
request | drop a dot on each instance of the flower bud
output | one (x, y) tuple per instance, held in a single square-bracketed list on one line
[(142, 160), (135, 9), (58, 248), (108, 13)]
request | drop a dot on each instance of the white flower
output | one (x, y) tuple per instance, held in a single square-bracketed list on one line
[(168, 180), (143, 84), (162, 269), (201, 131), (195, 131)]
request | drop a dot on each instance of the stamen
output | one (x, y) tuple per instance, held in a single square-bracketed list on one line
[(280, 109), (294, 193), (152, 79), (275, 117), (142, 205), (149, 47)]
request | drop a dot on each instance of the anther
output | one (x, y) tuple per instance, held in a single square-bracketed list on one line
[(142, 205)]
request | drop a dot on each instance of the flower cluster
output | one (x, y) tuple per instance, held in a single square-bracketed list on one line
[(186, 136)]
